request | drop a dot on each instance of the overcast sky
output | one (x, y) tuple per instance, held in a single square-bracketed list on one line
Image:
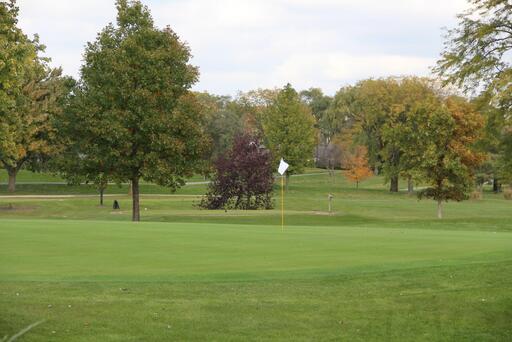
[(243, 45)]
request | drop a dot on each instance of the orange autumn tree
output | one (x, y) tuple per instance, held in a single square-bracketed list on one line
[(356, 162)]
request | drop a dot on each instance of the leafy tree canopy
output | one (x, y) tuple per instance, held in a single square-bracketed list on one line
[(318, 102), (142, 121), (447, 133), (224, 120), (31, 95), (16, 51), (475, 53), (375, 110), (289, 130)]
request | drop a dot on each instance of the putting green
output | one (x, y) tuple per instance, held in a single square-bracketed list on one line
[(51, 250)]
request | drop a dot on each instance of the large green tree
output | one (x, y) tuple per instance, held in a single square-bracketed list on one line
[(253, 106), (15, 52), (31, 94), (371, 106), (446, 133), (505, 162), (493, 142), (376, 111), (80, 159), (30, 122), (476, 57), (339, 115), (335, 124), (224, 120), (142, 120), (318, 102), (399, 151), (289, 130), (476, 51)]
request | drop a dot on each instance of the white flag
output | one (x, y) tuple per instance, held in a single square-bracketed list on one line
[(283, 166)]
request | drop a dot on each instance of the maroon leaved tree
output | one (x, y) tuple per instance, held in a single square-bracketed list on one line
[(243, 177)]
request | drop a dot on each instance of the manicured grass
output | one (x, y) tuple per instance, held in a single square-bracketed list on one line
[(159, 281), (114, 251), (381, 267), (450, 303)]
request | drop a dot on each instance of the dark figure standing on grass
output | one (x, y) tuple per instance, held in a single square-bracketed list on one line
[(116, 205)]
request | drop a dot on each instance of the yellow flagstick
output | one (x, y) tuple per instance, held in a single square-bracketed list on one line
[(282, 170), (282, 202)]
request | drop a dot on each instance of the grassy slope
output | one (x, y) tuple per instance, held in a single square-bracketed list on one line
[(380, 268)]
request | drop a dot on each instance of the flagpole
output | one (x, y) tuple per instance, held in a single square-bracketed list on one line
[(283, 166), (282, 202)]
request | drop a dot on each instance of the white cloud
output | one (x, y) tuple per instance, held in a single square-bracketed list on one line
[(245, 44), (221, 14), (336, 69), (426, 7)]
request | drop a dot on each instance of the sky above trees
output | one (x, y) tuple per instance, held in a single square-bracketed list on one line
[(245, 44)]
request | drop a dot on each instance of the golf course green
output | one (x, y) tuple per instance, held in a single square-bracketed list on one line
[(115, 251)]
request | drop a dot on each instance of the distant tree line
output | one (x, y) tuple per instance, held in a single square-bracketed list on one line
[(132, 116)]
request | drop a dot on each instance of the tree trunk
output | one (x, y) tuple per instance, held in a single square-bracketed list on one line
[(286, 180), (330, 167), (394, 184), (480, 187), (12, 179), (239, 199), (439, 209), (357, 184), (135, 200), (102, 190), (410, 185), (496, 185)]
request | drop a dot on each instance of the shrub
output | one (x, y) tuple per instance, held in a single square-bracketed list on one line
[(243, 178)]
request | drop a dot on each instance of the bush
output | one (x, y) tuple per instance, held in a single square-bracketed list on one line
[(243, 178)]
